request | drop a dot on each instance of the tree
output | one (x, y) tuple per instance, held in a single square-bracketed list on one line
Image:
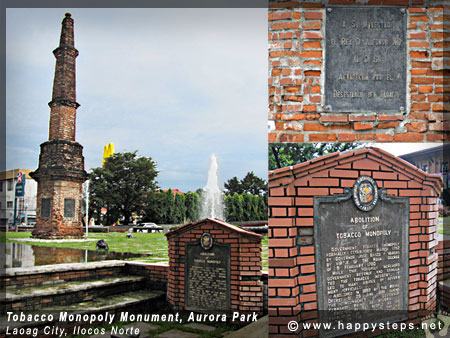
[(286, 154), (250, 184), (233, 185), (123, 185), (192, 202)]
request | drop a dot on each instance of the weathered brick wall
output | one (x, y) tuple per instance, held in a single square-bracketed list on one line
[(156, 274), (57, 226), (443, 251), (296, 77), (62, 123), (292, 269), (246, 284)]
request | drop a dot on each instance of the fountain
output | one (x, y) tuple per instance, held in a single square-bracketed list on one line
[(212, 202)]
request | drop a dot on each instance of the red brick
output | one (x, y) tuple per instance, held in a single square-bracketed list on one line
[(421, 35), (384, 138), (421, 106), (425, 89), (346, 137), (386, 125), (408, 137), (311, 54), (314, 127), (312, 35), (313, 15), (334, 118), (362, 126), (285, 25), (312, 191), (365, 137), (322, 137), (291, 138), (311, 45), (418, 127), (311, 25)]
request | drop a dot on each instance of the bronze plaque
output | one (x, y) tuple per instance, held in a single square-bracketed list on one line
[(69, 207), (46, 204), (365, 59), (362, 258), (207, 277)]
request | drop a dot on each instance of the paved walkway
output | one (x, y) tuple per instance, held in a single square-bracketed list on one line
[(258, 329)]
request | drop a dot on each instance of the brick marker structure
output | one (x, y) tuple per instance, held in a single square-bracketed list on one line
[(293, 288), (297, 69), (61, 162), (245, 287)]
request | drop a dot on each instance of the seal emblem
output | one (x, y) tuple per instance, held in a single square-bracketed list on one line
[(206, 241), (365, 193)]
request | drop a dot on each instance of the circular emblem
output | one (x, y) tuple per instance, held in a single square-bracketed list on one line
[(206, 241), (365, 193)]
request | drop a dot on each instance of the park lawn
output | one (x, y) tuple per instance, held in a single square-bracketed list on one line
[(444, 225), (141, 243)]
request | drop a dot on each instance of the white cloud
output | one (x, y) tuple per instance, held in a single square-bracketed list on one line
[(176, 84)]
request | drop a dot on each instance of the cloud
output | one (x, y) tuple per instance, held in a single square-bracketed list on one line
[(175, 84)]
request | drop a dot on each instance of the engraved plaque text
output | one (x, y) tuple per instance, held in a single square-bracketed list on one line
[(365, 59)]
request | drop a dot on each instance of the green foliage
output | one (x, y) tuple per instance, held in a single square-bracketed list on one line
[(192, 203), (163, 207), (121, 186), (250, 184), (245, 207), (285, 154)]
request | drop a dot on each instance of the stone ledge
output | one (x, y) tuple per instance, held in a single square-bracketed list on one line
[(163, 265), (62, 268), (14, 294), (40, 240)]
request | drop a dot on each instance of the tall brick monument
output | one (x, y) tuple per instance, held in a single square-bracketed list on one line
[(61, 162)]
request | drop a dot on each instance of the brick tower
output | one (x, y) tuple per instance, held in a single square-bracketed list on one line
[(61, 162)]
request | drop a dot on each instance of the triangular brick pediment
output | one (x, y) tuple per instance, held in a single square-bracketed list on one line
[(371, 159), (232, 228)]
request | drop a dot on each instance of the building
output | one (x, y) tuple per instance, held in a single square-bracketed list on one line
[(433, 161), (26, 205)]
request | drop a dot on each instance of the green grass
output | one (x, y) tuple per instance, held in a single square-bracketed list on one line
[(444, 225), (141, 243)]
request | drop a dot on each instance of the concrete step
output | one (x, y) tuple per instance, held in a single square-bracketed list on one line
[(144, 301), (60, 273), (44, 296)]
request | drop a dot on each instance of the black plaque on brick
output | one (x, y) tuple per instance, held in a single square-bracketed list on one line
[(46, 204), (207, 278), (365, 59), (69, 207), (362, 259)]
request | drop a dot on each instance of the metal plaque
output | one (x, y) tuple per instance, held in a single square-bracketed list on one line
[(365, 59), (207, 285), (69, 207), (46, 204), (362, 258)]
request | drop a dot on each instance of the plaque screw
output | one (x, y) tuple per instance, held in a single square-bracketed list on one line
[(402, 108), (327, 108), (329, 10), (403, 11)]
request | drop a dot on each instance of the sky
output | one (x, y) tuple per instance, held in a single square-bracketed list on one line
[(398, 149), (174, 84)]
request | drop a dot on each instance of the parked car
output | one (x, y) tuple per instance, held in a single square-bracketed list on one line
[(150, 227)]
